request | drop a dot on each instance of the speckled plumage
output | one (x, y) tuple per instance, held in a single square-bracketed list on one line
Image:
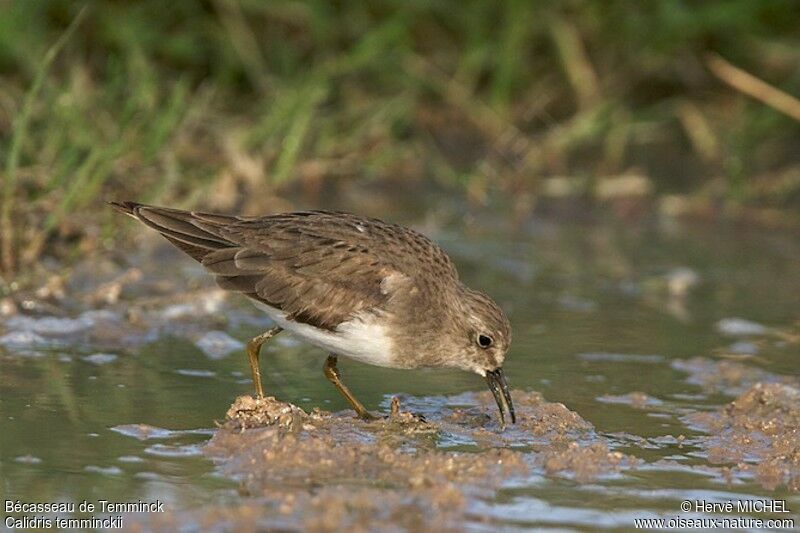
[(326, 269)]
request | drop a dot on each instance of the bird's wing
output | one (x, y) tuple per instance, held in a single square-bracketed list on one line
[(289, 262)]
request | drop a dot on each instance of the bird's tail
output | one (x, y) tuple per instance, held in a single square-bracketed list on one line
[(197, 234)]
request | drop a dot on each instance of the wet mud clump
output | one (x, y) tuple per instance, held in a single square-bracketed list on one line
[(323, 470), (249, 412), (554, 420), (759, 432), (585, 463)]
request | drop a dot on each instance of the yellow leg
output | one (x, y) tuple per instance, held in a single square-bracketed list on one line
[(332, 373), (253, 350)]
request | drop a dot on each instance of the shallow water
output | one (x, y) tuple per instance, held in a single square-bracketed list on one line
[(628, 324)]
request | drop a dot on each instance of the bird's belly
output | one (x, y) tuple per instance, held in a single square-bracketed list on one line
[(361, 338)]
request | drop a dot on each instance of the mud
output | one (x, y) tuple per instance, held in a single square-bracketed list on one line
[(758, 434), (585, 463), (330, 470)]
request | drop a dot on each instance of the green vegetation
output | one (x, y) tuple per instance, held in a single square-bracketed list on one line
[(169, 102)]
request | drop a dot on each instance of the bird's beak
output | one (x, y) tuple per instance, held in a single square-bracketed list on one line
[(497, 384)]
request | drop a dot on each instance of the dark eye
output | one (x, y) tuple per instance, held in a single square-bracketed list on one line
[(484, 341)]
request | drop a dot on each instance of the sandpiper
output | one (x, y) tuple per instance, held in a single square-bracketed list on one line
[(376, 292)]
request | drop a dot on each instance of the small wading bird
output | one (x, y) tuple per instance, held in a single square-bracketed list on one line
[(378, 293)]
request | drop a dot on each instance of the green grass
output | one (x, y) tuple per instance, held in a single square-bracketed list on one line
[(184, 101), (18, 136)]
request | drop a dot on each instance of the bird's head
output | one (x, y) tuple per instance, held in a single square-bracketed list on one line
[(484, 335)]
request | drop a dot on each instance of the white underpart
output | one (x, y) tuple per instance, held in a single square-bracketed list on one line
[(361, 338)]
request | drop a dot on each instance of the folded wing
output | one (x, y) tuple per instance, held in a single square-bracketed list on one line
[(285, 261)]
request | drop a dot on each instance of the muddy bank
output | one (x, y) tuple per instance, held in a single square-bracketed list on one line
[(758, 434), (321, 469)]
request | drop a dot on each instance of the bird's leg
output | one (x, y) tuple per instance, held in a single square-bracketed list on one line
[(253, 350), (332, 373)]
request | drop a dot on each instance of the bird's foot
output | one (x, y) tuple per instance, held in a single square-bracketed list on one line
[(367, 416)]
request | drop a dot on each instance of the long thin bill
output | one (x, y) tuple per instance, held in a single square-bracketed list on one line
[(499, 387)]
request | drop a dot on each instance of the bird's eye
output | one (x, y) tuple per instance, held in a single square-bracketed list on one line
[(484, 341)]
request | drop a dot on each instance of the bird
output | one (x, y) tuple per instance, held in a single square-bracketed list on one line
[(376, 292)]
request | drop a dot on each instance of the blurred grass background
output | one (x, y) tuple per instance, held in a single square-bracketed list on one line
[(225, 104)]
